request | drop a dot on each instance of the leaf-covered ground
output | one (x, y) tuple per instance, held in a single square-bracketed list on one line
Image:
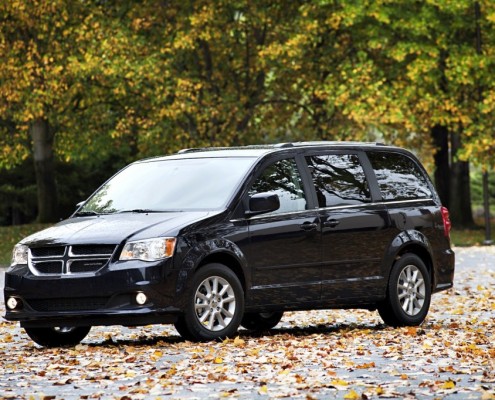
[(310, 355)]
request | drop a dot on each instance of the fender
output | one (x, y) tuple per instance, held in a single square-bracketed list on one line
[(220, 250), (408, 239)]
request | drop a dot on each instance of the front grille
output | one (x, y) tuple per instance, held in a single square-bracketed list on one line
[(49, 267), (81, 266), (68, 304), (64, 260), (88, 250), (48, 251)]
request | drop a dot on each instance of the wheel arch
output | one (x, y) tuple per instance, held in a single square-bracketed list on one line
[(229, 261), (412, 242), (425, 256)]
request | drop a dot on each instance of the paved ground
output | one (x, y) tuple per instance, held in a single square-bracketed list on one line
[(310, 355)]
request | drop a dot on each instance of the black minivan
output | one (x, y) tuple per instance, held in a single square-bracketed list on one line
[(216, 238)]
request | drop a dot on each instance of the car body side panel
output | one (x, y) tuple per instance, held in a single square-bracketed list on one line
[(285, 259), (354, 242), (422, 231)]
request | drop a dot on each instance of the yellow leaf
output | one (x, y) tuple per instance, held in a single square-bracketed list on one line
[(339, 382), (218, 360), (487, 396), (8, 338), (352, 395), (263, 390), (366, 365), (448, 385), (239, 342)]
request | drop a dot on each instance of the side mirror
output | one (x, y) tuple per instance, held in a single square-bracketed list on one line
[(261, 203)]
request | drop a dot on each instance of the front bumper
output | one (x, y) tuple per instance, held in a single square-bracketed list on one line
[(107, 297)]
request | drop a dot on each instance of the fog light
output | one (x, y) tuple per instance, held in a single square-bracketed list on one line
[(141, 298), (13, 303)]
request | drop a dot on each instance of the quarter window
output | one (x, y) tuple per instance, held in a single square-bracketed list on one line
[(399, 177), (282, 178), (339, 179)]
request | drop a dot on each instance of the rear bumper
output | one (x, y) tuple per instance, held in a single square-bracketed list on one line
[(105, 298), (445, 271)]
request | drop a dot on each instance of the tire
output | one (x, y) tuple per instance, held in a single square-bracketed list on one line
[(408, 293), (58, 336), (215, 305), (261, 321)]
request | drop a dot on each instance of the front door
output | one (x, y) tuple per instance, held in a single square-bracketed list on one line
[(285, 245)]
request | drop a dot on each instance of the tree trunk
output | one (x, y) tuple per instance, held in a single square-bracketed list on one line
[(44, 171), (460, 192), (440, 136)]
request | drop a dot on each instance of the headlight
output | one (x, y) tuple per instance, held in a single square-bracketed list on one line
[(149, 249), (20, 254)]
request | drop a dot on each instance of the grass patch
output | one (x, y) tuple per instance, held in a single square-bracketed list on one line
[(471, 237), (11, 235)]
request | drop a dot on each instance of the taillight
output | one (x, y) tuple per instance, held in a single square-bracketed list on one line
[(446, 221)]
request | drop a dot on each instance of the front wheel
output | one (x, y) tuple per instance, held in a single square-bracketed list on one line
[(408, 294), (58, 336), (215, 305)]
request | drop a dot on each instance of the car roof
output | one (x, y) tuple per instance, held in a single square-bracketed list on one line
[(257, 151)]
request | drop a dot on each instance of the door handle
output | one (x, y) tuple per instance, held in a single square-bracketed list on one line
[(307, 226), (331, 223)]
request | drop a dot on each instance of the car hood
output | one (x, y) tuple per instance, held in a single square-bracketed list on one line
[(115, 228)]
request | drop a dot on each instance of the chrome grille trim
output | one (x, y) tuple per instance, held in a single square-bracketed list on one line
[(84, 259)]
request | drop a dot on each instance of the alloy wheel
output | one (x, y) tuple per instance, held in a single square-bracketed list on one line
[(215, 303), (411, 290)]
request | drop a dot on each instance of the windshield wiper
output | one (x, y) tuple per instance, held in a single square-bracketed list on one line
[(85, 213), (139, 211)]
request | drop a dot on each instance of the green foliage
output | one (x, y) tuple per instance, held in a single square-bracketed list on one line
[(470, 237), (119, 80), (477, 188), (143, 79), (10, 235)]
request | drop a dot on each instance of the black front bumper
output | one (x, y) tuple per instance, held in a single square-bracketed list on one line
[(105, 298)]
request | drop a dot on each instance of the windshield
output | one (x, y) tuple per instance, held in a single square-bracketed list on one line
[(170, 185)]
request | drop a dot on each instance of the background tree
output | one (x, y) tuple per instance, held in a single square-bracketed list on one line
[(97, 84)]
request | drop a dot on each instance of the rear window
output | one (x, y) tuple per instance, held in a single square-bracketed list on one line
[(399, 177)]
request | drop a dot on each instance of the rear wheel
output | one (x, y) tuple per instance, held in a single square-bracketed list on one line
[(408, 294), (58, 336), (261, 321), (215, 305)]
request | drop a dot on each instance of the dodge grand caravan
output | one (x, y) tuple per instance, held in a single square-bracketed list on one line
[(216, 238)]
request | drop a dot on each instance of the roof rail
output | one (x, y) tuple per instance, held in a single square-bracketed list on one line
[(283, 145), (189, 150), (336, 143)]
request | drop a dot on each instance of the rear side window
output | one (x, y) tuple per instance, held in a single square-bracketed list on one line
[(399, 177), (339, 179)]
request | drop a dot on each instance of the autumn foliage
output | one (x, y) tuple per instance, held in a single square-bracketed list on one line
[(135, 79)]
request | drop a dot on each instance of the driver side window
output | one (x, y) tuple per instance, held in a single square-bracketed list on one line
[(282, 178)]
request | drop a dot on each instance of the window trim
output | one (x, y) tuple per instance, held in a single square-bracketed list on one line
[(433, 194), (261, 167), (367, 170)]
